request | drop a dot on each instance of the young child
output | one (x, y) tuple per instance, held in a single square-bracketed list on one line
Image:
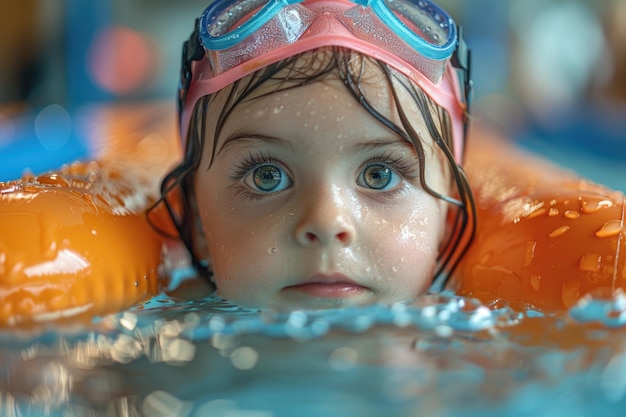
[(322, 147)]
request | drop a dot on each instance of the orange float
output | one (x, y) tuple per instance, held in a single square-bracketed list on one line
[(76, 243), (545, 237)]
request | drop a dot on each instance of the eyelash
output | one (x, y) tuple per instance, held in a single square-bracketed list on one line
[(252, 161), (404, 167), (243, 168)]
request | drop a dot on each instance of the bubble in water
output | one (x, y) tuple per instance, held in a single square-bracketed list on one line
[(444, 331), (178, 350), (244, 358), (161, 403), (343, 358)]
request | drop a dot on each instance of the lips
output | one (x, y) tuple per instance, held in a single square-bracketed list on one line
[(329, 286)]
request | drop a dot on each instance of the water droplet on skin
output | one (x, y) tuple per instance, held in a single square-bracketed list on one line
[(559, 231), (278, 109), (136, 284), (610, 229), (272, 251), (572, 215)]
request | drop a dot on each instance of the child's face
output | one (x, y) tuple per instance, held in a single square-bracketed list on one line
[(310, 202)]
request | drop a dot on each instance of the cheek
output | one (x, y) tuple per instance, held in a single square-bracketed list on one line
[(242, 247), (407, 247)]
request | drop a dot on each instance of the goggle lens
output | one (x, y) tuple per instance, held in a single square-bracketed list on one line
[(424, 19), (221, 22)]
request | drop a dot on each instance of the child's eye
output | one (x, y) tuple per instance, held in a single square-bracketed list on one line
[(378, 177), (267, 179)]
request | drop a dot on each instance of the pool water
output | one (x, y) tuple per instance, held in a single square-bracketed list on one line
[(440, 356)]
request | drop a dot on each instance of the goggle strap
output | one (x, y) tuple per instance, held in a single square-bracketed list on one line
[(462, 61), (192, 51)]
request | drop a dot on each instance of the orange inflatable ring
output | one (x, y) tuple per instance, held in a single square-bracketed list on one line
[(73, 244), (76, 242), (545, 238)]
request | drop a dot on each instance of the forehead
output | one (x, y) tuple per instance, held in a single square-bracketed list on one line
[(351, 82)]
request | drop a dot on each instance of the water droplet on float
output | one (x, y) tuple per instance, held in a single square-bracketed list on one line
[(570, 293), (559, 231), (593, 206), (535, 282), (572, 215), (590, 262), (530, 253), (610, 229), (553, 212)]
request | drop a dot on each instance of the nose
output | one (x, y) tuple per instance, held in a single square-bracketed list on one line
[(326, 218)]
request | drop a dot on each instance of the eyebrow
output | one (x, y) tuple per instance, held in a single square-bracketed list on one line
[(243, 136)]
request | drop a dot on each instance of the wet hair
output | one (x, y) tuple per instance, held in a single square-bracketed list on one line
[(299, 70)]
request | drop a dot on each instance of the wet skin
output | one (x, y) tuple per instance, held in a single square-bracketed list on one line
[(310, 202)]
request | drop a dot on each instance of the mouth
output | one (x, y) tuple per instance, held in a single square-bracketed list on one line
[(329, 286)]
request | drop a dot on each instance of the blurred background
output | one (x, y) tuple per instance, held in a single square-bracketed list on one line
[(550, 74)]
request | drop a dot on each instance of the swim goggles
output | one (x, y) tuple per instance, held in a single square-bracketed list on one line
[(234, 38)]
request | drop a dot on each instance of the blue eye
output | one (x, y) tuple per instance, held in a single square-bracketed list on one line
[(268, 179), (378, 177)]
